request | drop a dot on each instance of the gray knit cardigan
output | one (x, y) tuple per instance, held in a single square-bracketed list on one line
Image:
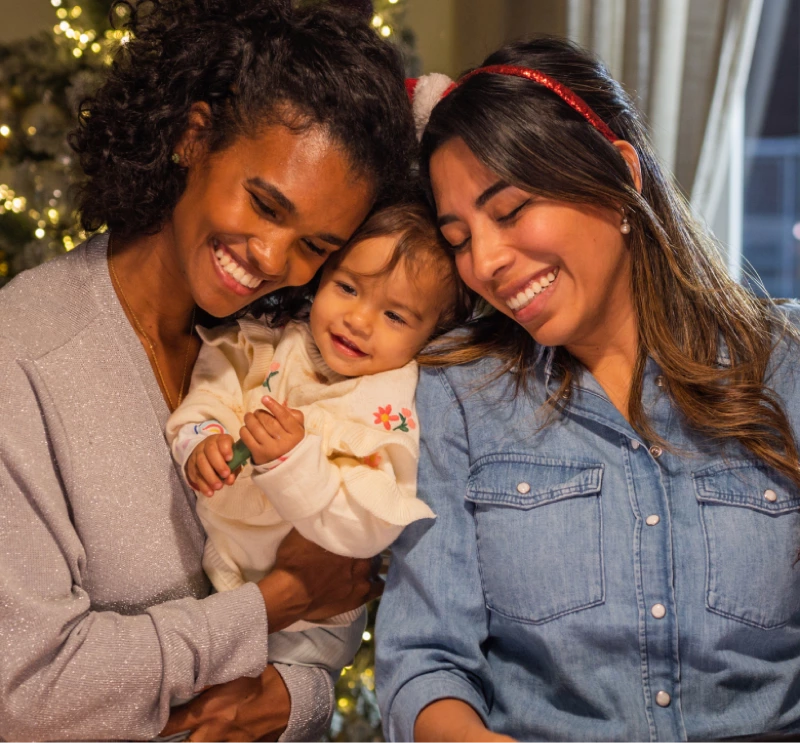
[(105, 617)]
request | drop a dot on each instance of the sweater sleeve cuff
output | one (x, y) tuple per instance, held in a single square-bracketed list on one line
[(422, 691), (234, 643), (311, 695), (303, 485)]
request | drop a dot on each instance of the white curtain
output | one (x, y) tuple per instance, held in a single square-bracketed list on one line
[(687, 62)]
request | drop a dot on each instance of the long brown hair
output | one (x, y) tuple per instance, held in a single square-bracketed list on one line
[(712, 337)]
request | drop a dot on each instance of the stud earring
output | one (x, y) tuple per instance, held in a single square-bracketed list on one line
[(625, 227), (176, 158)]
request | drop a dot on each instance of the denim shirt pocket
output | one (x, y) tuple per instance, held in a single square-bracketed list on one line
[(751, 524), (539, 530)]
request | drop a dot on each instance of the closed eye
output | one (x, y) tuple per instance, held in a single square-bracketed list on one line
[(394, 317), (346, 288), (315, 248), (262, 208), (513, 213)]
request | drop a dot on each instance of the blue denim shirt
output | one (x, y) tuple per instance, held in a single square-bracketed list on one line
[(579, 584)]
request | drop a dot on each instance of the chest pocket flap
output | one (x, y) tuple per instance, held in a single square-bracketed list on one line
[(751, 525), (528, 508), (527, 481)]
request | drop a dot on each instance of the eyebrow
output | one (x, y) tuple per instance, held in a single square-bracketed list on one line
[(288, 206), (480, 202)]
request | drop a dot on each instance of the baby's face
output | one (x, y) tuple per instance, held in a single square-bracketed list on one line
[(365, 323)]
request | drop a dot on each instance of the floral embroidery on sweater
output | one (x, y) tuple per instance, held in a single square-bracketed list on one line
[(273, 370), (384, 417)]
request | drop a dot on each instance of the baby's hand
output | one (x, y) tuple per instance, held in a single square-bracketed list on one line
[(269, 435), (207, 467)]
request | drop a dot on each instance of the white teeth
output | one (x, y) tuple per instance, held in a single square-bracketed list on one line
[(527, 295), (234, 270)]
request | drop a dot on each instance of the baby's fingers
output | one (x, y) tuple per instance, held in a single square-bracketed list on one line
[(217, 459), (206, 470), (195, 478)]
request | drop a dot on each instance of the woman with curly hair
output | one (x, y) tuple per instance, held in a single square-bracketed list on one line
[(611, 453), (235, 145)]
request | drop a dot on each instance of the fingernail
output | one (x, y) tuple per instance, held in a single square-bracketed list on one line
[(267, 399)]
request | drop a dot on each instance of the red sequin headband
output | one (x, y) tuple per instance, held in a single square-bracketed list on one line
[(562, 91)]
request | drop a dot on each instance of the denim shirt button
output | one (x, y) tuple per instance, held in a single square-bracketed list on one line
[(771, 495), (634, 444), (663, 699), (523, 488), (659, 381), (652, 520), (656, 451), (659, 611)]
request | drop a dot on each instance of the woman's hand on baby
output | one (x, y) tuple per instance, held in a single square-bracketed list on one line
[(207, 467), (272, 433)]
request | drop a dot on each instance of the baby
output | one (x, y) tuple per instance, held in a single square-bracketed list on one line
[(325, 406)]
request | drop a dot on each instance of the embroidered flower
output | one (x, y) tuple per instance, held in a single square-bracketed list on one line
[(273, 370), (384, 416), (406, 413), (373, 460)]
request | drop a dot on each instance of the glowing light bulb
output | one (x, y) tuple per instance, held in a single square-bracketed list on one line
[(377, 21), (5, 131), (386, 31), (55, 3), (39, 233)]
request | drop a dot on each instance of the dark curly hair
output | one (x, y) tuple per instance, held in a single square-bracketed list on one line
[(254, 63)]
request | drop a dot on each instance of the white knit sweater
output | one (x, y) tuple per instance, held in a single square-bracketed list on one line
[(349, 486)]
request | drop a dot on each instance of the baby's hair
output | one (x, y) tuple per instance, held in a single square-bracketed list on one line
[(419, 247)]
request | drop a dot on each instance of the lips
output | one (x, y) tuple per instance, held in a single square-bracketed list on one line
[(540, 283), (346, 346), (233, 273)]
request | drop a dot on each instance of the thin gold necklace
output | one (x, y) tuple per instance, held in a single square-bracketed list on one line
[(147, 337)]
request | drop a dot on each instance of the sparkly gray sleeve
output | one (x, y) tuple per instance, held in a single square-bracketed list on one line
[(311, 693), (69, 671)]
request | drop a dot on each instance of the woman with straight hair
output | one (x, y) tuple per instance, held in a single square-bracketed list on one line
[(610, 448), (235, 145)]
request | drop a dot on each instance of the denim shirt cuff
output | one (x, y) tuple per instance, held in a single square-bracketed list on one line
[(422, 691)]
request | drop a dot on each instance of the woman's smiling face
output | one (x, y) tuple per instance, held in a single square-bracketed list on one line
[(265, 213), (561, 270)]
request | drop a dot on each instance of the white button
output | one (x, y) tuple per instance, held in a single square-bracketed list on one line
[(659, 381), (771, 495), (659, 611), (663, 699), (635, 444), (652, 520), (523, 488), (656, 451)]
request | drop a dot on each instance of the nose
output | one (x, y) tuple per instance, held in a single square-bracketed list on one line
[(271, 256), (490, 256), (358, 320)]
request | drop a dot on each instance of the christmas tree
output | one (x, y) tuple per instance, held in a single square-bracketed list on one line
[(43, 80)]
